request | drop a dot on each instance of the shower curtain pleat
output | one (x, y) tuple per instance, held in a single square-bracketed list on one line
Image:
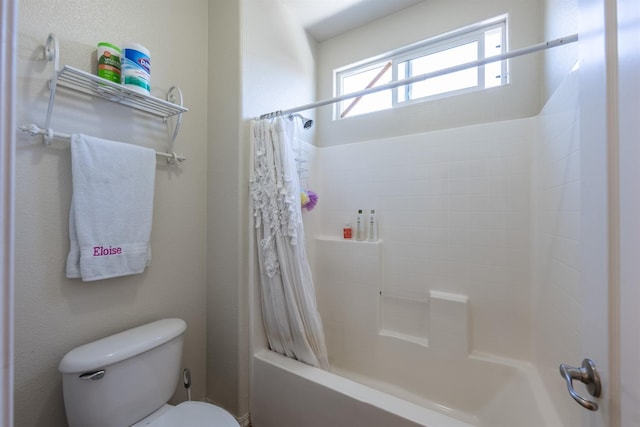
[(291, 319)]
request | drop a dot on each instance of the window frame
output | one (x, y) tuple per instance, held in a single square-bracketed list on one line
[(432, 45)]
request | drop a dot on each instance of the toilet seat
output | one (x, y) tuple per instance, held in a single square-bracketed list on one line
[(194, 414)]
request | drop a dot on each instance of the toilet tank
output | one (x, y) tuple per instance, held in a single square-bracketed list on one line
[(118, 380)]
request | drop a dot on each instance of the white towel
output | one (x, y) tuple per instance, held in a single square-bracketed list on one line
[(111, 208)]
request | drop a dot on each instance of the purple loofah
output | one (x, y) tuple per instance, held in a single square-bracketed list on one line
[(313, 199)]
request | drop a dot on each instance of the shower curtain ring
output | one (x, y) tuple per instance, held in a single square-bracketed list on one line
[(48, 136)]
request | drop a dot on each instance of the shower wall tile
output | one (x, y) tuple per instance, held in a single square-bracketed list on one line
[(556, 249), (449, 323), (454, 216), (404, 317), (347, 282)]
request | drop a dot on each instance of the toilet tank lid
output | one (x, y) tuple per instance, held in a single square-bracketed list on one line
[(121, 346)]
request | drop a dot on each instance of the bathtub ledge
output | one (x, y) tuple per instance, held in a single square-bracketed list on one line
[(386, 402)]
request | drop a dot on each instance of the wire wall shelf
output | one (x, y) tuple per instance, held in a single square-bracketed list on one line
[(77, 80), (81, 81)]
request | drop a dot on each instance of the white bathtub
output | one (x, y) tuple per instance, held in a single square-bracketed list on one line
[(286, 393)]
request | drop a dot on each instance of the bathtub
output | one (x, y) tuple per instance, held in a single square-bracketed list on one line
[(500, 393)]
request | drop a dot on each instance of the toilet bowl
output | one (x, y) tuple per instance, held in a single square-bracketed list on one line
[(127, 379), (189, 414)]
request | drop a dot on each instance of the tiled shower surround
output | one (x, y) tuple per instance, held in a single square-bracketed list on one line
[(478, 250), (454, 216)]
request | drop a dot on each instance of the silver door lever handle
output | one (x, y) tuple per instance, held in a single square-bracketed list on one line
[(588, 375)]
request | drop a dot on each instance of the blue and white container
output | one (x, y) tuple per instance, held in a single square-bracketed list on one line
[(136, 67)]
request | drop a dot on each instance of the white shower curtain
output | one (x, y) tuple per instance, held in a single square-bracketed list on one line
[(291, 318)]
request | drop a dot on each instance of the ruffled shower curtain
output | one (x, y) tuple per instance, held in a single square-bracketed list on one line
[(290, 315)]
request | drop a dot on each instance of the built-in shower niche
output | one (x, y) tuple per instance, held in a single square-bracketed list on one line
[(439, 320)]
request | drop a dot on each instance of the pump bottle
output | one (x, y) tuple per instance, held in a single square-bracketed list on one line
[(372, 229), (360, 226)]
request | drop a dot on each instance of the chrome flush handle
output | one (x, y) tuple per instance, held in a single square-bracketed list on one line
[(96, 375), (588, 375)]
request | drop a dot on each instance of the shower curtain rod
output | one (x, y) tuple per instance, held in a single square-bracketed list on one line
[(514, 53)]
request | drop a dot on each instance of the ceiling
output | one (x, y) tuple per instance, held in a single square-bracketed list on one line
[(324, 19)]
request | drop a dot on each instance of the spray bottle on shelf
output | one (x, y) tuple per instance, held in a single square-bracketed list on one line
[(372, 229), (360, 230)]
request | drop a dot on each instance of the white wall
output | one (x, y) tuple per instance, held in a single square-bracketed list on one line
[(278, 59), (521, 98), (53, 314), (278, 72), (227, 377), (560, 19)]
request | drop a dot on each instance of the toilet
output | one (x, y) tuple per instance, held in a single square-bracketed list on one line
[(126, 380)]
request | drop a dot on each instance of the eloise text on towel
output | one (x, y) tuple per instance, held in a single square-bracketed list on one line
[(111, 208)]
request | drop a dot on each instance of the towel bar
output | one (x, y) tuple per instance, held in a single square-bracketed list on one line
[(49, 135)]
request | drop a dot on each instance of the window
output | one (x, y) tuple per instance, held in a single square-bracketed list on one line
[(469, 44)]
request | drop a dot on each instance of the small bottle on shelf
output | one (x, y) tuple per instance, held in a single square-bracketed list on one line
[(360, 230), (347, 231), (372, 229)]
